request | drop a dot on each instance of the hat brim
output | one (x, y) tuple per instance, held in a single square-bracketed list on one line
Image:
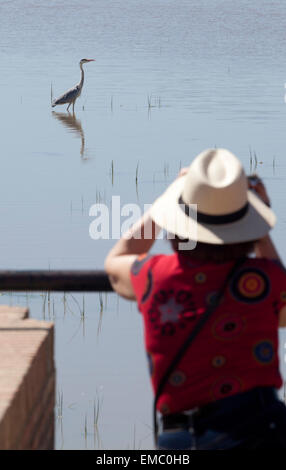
[(167, 213)]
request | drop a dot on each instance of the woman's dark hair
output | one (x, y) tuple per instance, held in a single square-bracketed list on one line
[(207, 252)]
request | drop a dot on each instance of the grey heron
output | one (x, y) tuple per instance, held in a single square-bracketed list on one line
[(71, 95)]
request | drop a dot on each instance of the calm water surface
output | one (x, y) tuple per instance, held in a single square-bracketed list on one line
[(170, 79)]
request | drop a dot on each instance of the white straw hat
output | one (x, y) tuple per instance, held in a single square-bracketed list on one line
[(227, 211)]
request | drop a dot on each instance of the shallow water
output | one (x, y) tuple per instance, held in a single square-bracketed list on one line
[(170, 79)]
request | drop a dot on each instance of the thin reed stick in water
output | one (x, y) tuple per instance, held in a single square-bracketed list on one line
[(136, 175), (112, 172)]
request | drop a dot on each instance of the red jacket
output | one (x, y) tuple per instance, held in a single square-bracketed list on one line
[(237, 348)]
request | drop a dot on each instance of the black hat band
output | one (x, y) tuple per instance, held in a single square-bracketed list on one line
[(214, 219)]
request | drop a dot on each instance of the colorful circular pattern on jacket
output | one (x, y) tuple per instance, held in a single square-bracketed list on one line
[(177, 378), (164, 408), (250, 285), (264, 352), (218, 361), (228, 326), (211, 298), (226, 386), (200, 278)]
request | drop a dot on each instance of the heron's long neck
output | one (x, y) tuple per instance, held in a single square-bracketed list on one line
[(82, 76)]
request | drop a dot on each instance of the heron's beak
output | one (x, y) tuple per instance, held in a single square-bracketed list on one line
[(90, 60)]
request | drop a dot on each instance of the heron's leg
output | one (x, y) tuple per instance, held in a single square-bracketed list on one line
[(68, 106), (73, 106)]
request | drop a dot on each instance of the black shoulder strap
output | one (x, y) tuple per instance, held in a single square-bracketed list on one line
[(189, 340)]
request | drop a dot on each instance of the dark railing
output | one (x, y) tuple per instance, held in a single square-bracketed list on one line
[(76, 281)]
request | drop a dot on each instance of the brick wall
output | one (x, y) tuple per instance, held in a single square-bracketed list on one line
[(27, 381)]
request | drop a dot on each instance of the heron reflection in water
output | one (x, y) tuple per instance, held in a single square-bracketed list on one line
[(71, 95), (71, 122)]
